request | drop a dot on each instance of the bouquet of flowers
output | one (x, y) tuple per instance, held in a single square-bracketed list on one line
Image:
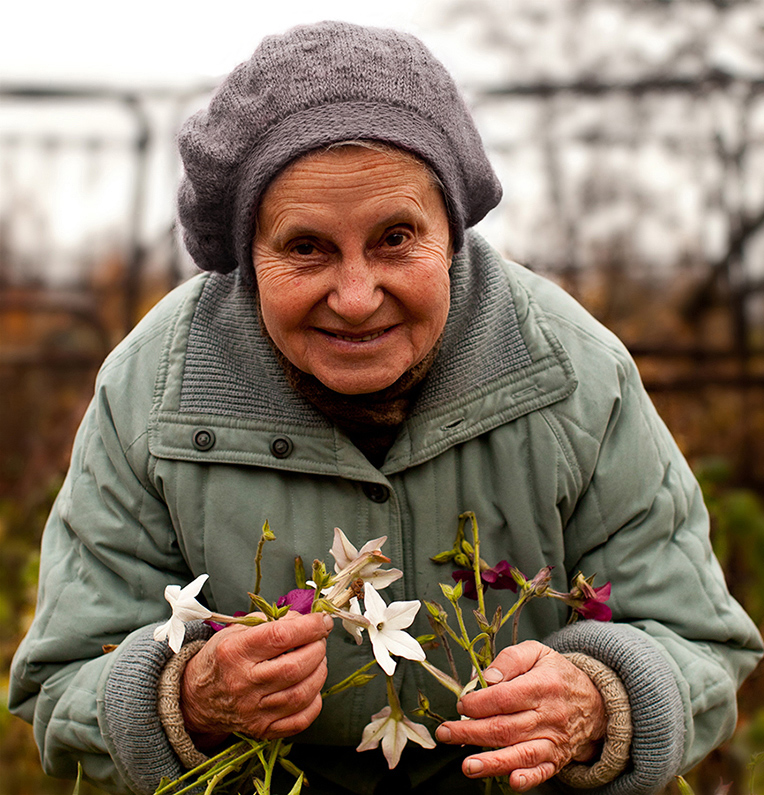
[(351, 593)]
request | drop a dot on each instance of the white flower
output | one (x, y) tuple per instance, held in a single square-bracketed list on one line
[(354, 628), (184, 608), (386, 625), (364, 563), (394, 732)]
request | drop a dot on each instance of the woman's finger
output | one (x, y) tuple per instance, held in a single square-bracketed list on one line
[(297, 697), (266, 641), (496, 731), (286, 670), (293, 724), (535, 761)]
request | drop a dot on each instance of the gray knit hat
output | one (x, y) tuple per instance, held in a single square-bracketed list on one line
[(316, 85)]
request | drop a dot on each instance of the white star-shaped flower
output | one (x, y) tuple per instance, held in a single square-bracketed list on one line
[(352, 564), (184, 608), (386, 625), (393, 732)]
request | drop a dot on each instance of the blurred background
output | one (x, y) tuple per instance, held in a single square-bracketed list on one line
[(628, 134)]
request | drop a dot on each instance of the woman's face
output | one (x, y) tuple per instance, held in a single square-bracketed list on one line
[(352, 253)]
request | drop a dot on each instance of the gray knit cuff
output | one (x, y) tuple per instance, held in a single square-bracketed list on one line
[(129, 715), (657, 713)]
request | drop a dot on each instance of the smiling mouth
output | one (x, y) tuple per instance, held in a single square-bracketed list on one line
[(366, 338)]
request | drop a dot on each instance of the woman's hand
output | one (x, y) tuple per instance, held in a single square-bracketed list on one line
[(262, 681), (540, 713)]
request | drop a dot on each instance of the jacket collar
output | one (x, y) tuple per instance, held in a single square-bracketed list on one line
[(499, 360)]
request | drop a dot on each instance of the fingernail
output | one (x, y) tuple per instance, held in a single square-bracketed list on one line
[(522, 780), (493, 676), (459, 707), (473, 767), (328, 621), (443, 733)]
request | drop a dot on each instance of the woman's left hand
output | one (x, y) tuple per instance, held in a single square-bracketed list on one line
[(540, 713)]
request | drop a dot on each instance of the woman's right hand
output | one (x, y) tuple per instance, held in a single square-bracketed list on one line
[(262, 681)]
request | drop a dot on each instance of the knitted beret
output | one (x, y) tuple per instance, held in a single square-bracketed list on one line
[(312, 86)]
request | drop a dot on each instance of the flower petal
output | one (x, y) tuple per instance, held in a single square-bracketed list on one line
[(373, 731), (381, 654), (393, 743), (400, 615), (356, 630), (193, 588), (177, 631), (190, 612), (381, 578), (595, 610), (298, 599), (402, 644), (370, 546), (342, 550), (161, 632), (171, 593), (418, 733), (374, 605)]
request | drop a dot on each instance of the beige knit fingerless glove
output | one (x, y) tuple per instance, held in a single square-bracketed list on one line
[(615, 752), (168, 706)]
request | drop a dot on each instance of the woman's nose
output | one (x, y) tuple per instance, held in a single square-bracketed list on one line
[(356, 294)]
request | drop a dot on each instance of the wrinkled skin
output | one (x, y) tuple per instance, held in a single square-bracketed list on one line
[(539, 713), (262, 681), (352, 255)]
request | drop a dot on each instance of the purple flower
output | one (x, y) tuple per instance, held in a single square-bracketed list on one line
[(300, 599), (498, 577), (594, 606)]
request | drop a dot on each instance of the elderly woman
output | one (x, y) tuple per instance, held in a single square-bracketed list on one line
[(354, 357)]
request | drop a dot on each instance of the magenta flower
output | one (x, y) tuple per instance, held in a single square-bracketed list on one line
[(300, 599), (498, 577), (594, 606)]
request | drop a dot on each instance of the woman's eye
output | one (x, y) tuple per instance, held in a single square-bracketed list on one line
[(304, 249), (395, 239)]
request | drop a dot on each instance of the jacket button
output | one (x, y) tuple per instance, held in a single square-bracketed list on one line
[(282, 447), (203, 439), (376, 492)]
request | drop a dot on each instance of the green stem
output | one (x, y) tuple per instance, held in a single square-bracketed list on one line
[(210, 764), (449, 653), (476, 559), (216, 772), (466, 643), (396, 713), (346, 682), (274, 755), (258, 567)]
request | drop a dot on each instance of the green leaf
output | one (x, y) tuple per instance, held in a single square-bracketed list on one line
[(267, 532), (482, 621), (76, 790), (297, 788), (300, 579), (262, 605), (684, 787), (452, 593)]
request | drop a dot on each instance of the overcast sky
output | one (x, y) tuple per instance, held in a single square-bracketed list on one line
[(162, 41)]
